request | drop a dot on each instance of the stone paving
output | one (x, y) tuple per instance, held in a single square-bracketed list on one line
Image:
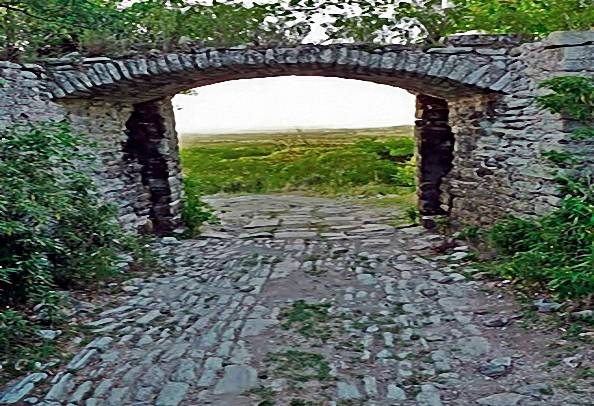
[(309, 301)]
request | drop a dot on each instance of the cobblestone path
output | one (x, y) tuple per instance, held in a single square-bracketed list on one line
[(309, 301)]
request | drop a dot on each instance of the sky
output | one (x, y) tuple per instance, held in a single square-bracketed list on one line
[(291, 102)]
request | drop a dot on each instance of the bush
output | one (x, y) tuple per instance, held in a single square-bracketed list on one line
[(54, 229), (195, 211), (13, 328), (401, 147), (555, 251)]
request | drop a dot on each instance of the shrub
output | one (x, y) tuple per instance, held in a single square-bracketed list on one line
[(556, 250), (572, 97), (195, 211), (14, 327), (54, 229), (398, 147)]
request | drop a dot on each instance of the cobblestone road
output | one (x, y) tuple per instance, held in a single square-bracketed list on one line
[(297, 299)]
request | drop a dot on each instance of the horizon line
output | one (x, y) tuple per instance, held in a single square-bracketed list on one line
[(289, 130)]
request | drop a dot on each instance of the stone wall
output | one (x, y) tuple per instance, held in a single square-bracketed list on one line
[(118, 178), (485, 86), (499, 167), (137, 154), (24, 95), (25, 100)]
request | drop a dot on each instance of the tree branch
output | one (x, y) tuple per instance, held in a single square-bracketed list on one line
[(49, 20)]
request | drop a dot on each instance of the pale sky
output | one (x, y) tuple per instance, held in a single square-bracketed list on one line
[(292, 102)]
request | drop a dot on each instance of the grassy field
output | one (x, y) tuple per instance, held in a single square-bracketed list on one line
[(368, 162)]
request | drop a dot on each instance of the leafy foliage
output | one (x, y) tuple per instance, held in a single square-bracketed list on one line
[(13, 328), (555, 251), (223, 23), (21, 347), (195, 211), (560, 157), (54, 27), (532, 17), (54, 229), (55, 233), (572, 96), (46, 27)]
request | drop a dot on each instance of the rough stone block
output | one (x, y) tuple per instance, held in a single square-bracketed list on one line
[(569, 38), (450, 50)]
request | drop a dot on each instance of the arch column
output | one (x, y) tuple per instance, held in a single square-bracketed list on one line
[(435, 153), (152, 143)]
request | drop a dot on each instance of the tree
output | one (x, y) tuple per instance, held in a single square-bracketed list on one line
[(54, 27), (43, 27), (534, 17)]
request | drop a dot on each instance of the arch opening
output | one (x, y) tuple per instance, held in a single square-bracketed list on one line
[(152, 143)]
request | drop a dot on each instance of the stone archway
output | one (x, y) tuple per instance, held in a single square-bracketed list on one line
[(152, 144), (490, 84), (147, 83)]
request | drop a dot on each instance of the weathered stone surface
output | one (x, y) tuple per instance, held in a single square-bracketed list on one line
[(82, 359), (347, 391), (474, 346), (172, 394), (59, 391), (429, 396), (502, 399), (18, 392), (395, 393), (536, 390), (569, 38), (381, 343), (237, 379)]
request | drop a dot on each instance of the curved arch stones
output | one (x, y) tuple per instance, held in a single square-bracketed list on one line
[(479, 132), (442, 72)]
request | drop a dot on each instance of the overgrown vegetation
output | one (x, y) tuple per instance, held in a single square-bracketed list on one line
[(34, 28), (195, 211), (55, 231), (315, 163), (556, 251)]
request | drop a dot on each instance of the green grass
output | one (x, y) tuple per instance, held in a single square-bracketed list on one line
[(300, 366), (308, 319), (347, 162)]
